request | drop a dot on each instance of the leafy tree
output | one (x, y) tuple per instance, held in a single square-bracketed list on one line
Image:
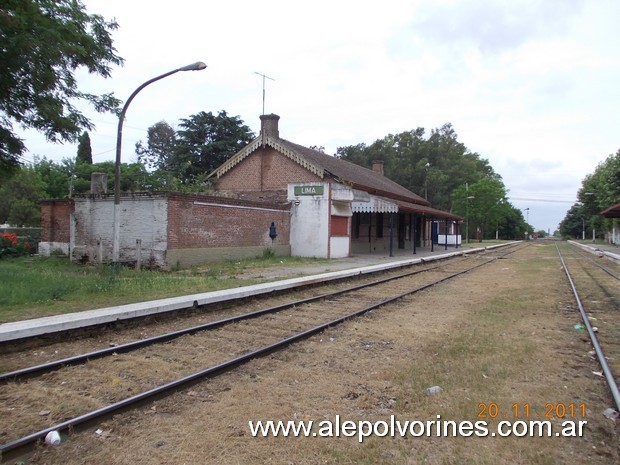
[(159, 151), (43, 43), (84, 151), (599, 190), (204, 142), (573, 224), (430, 167), (20, 198), (512, 225), (134, 176), (56, 177), (484, 207)]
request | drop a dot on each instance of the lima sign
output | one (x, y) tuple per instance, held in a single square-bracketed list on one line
[(309, 190)]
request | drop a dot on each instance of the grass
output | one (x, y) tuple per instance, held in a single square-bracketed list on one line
[(32, 287)]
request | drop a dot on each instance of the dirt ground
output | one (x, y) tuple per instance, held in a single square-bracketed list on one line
[(499, 342)]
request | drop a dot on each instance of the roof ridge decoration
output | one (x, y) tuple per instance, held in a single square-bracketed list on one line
[(295, 156), (237, 158), (275, 144)]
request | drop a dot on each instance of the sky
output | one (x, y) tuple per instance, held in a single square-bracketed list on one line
[(530, 85)]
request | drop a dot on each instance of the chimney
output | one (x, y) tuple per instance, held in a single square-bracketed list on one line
[(98, 183), (269, 126), (377, 165)]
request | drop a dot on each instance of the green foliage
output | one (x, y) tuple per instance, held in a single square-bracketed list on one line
[(38, 286), (599, 191), (20, 198), (56, 177), (485, 207), (84, 151), (134, 176), (43, 43), (268, 253), (13, 246), (183, 159), (430, 167), (205, 141), (439, 168), (161, 141)]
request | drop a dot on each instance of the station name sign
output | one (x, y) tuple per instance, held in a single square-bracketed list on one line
[(309, 190)]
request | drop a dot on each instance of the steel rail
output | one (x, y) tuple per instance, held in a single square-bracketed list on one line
[(609, 377), (29, 440), (37, 370), (594, 262), (40, 369)]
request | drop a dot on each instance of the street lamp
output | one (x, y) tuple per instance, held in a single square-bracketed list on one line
[(467, 217), (583, 233), (527, 222), (199, 65), (427, 166)]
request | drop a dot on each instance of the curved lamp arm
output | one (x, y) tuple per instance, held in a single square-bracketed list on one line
[(199, 65)]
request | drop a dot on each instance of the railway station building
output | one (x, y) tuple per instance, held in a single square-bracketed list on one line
[(271, 194), (612, 235), (338, 208)]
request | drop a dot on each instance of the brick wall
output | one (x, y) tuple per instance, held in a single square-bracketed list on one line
[(265, 174), (207, 222), (55, 220)]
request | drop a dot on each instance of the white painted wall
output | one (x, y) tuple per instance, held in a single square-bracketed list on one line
[(309, 222), (142, 218), (339, 247), (452, 239)]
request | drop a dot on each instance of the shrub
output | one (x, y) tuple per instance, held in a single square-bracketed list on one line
[(268, 253), (13, 246)]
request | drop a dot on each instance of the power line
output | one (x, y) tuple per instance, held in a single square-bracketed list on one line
[(542, 200)]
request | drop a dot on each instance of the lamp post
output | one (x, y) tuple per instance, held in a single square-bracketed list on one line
[(527, 222), (467, 217), (583, 229), (199, 65), (589, 194)]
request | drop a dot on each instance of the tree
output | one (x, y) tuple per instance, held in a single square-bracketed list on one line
[(574, 222), (20, 198), (84, 151), (204, 142), (43, 43), (159, 151), (135, 177), (599, 190), (430, 167), (56, 177), (483, 205)]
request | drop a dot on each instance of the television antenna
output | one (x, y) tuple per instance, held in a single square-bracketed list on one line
[(264, 76)]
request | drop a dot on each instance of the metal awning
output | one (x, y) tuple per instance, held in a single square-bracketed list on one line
[(612, 212), (375, 205)]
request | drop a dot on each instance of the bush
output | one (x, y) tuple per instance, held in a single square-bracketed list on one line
[(13, 246), (268, 253)]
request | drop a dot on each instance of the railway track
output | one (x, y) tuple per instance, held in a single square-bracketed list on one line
[(594, 282), (74, 391)]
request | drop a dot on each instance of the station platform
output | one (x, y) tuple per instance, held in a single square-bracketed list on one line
[(609, 251), (332, 270)]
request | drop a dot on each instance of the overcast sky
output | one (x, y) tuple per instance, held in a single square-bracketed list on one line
[(532, 86)]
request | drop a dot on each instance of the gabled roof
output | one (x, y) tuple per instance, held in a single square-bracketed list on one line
[(612, 212), (322, 164)]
